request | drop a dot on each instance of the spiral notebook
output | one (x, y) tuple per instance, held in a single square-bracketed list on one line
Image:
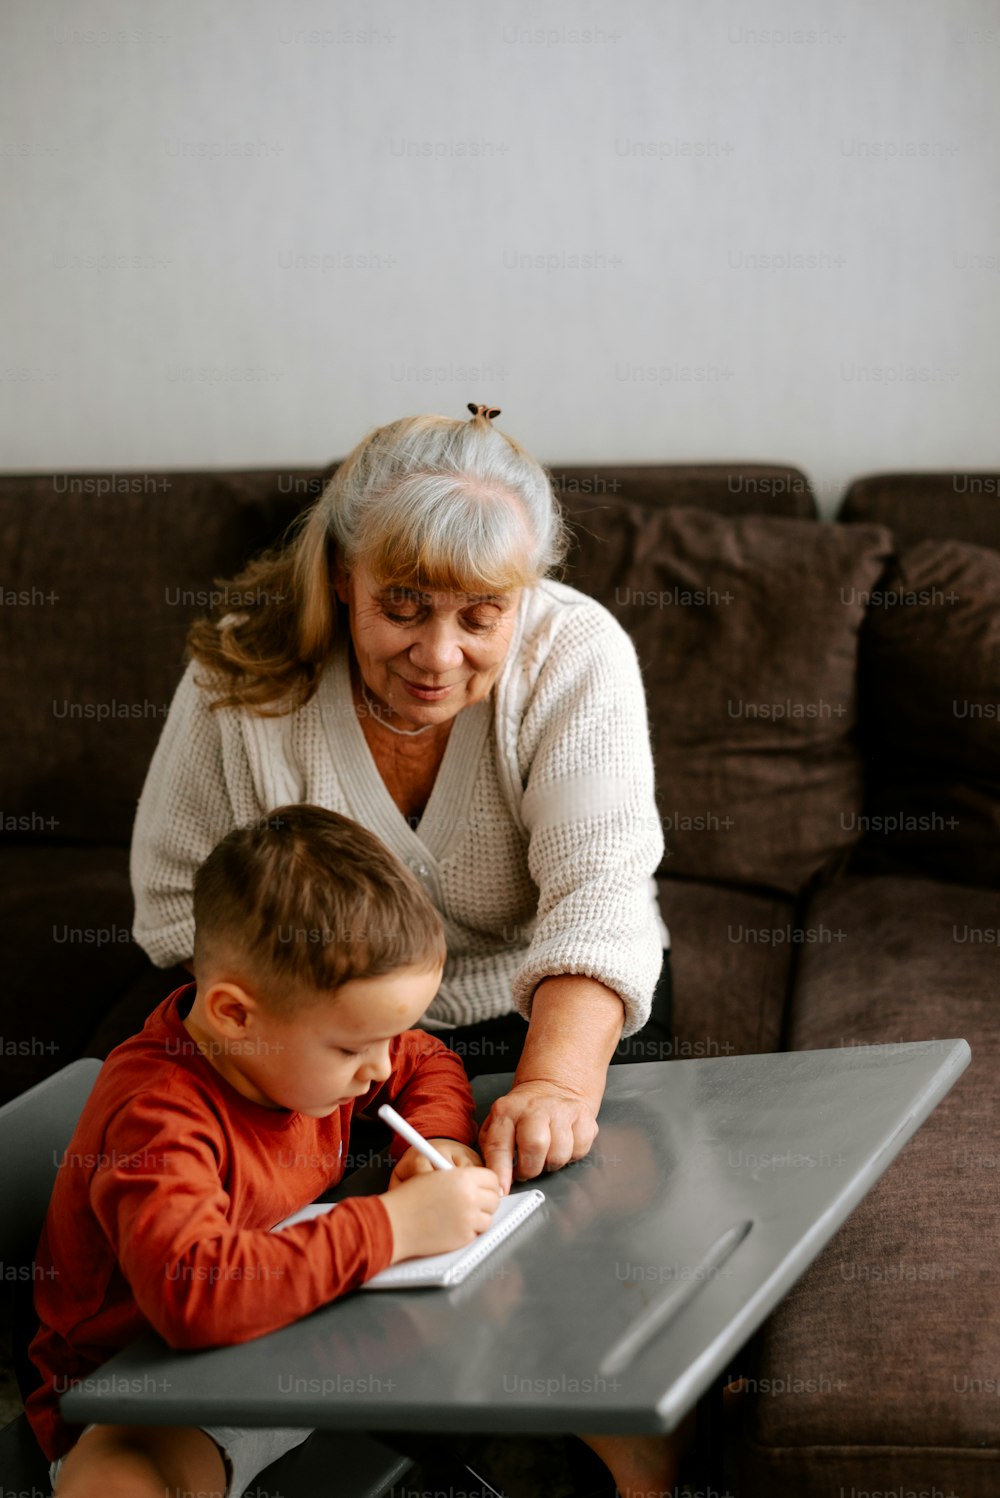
[(440, 1269)]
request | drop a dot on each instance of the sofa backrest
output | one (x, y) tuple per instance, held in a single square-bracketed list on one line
[(930, 677), (961, 505), (103, 573)]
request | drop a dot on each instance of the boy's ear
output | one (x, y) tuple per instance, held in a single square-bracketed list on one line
[(230, 1007)]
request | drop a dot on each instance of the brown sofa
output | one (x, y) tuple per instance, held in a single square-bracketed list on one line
[(825, 707)]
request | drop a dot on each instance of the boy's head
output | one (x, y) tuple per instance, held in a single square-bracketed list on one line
[(314, 947), (304, 900)]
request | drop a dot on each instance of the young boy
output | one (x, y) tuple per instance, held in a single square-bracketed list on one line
[(316, 952)]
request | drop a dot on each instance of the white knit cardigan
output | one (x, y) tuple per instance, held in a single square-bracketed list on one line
[(537, 845)]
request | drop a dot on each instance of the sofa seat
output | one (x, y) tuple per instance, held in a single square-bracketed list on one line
[(731, 959), (878, 1371), (65, 920), (131, 1008)]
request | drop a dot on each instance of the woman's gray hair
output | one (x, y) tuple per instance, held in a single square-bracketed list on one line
[(456, 503), (425, 503)]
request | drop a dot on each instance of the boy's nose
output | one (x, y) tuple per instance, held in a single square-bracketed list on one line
[(376, 1067)]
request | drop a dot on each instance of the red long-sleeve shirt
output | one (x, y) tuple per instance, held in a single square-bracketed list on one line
[(163, 1203)]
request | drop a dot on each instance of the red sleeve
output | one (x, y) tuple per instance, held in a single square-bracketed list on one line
[(198, 1280), (428, 1086)]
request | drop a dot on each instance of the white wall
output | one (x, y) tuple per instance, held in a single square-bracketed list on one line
[(186, 184)]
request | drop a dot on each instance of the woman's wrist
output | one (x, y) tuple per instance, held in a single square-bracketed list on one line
[(576, 1023)]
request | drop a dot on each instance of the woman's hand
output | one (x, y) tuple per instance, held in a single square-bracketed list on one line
[(547, 1123), (549, 1117), (413, 1163)]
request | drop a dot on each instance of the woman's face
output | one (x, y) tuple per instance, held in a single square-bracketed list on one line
[(453, 645)]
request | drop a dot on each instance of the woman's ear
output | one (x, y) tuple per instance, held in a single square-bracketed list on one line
[(341, 581)]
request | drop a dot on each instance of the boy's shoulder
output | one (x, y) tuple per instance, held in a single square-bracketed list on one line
[(148, 1099)]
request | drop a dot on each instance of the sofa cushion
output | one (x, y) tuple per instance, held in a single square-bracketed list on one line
[(747, 633), (921, 506), (730, 959), (133, 1006), (111, 578), (605, 506), (930, 704), (881, 1364), (65, 926)]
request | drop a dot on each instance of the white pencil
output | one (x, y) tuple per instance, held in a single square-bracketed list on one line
[(411, 1136)]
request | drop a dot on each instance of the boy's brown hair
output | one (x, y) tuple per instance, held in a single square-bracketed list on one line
[(304, 900)]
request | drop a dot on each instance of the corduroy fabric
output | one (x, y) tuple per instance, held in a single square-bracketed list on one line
[(731, 955), (958, 506), (747, 631), (930, 708), (65, 926), (892, 1336)]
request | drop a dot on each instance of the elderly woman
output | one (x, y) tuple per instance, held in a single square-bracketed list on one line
[(405, 659)]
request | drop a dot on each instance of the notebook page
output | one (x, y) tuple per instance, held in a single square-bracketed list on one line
[(451, 1268), (439, 1269)]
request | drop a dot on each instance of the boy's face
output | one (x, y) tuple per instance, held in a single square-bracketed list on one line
[(320, 1057)]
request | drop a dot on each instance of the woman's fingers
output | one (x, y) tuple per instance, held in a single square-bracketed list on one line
[(534, 1139), (496, 1145), (563, 1132), (572, 1130), (546, 1128)]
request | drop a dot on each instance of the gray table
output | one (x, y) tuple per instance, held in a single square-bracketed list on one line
[(711, 1187)]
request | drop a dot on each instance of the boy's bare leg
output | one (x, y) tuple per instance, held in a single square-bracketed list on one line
[(143, 1461), (644, 1466)]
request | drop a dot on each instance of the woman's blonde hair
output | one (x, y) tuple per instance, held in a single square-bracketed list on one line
[(427, 503)]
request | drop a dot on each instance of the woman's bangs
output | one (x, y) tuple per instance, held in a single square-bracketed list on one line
[(447, 559)]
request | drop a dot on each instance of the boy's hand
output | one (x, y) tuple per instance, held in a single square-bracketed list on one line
[(436, 1211), (413, 1163)]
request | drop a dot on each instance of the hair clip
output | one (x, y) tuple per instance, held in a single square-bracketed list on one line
[(488, 411)]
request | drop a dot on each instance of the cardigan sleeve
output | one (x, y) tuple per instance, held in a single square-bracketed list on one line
[(595, 837), (183, 811)]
